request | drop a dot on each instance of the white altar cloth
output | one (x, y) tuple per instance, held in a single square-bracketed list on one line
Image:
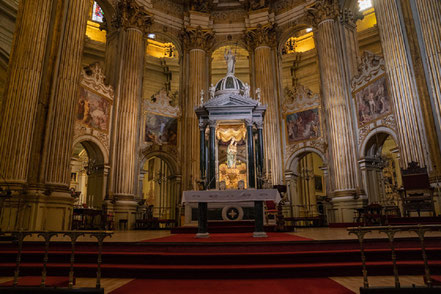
[(231, 195)]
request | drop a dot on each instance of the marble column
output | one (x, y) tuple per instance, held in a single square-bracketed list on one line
[(19, 106), (262, 41), (212, 157), (132, 22), (202, 163), (335, 97), (196, 43), (251, 166), (427, 17), (61, 113), (407, 108)]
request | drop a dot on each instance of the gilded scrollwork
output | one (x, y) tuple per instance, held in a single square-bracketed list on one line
[(370, 68)]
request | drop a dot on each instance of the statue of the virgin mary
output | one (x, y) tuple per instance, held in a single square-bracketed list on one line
[(231, 61)]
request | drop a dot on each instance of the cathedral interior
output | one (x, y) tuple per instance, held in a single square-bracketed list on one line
[(98, 101)]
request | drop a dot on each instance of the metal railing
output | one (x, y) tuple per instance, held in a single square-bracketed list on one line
[(391, 231), (19, 238)]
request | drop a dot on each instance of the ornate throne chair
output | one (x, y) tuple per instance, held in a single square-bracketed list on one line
[(416, 194)]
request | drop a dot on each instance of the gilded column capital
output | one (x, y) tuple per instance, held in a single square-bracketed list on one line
[(197, 38), (130, 15), (262, 36), (323, 10)]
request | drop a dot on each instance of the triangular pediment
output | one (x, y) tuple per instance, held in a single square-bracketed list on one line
[(231, 100)]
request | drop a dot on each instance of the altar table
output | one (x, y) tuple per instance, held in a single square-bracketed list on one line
[(211, 196)]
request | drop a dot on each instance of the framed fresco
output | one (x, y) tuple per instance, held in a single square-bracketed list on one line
[(373, 101), (93, 110), (161, 129), (303, 125)]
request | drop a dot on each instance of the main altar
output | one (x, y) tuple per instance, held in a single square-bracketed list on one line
[(231, 154)]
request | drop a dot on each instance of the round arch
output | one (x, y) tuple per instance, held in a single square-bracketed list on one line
[(222, 43), (107, 8), (171, 162), (366, 146), (285, 35), (293, 161), (94, 148), (172, 38)]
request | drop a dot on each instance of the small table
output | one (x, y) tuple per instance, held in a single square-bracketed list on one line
[(210, 196)]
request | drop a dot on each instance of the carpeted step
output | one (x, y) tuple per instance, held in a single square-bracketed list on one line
[(228, 271)]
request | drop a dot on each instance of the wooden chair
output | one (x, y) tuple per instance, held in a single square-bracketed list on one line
[(416, 194), (271, 209), (373, 215)]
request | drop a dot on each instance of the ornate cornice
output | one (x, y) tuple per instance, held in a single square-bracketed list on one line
[(262, 36), (371, 67), (130, 15), (197, 39), (323, 10)]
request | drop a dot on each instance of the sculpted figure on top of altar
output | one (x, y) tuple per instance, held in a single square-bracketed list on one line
[(231, 61)]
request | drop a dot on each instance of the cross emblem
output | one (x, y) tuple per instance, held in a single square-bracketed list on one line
[(232, 213)]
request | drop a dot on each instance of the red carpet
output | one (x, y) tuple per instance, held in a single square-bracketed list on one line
[(229, 238), (257, 286), (36, 281)]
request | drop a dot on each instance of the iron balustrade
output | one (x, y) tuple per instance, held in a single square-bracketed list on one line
[(391, 231), (19, 237)]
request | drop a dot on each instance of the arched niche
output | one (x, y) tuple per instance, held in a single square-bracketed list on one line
[(160, 185), (218, 65), (89, 171), (380, 167), (307, 181)]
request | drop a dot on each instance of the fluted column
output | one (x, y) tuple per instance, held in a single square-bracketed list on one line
[(19, 107), (133, 23), (262, 40), (61, 113), (427, 16), (196, 43), (335, 93), (407, 109)]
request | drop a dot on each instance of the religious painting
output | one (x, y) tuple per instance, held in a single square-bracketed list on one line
[(373, 101), (160, 129), (93, 110), (303, 125), (318, 184)]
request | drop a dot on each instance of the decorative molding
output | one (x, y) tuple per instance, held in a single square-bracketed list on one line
[(197, 38), (262, 36), (161, 103), (371, 67), (386, 121), (92, 76), (299, 98)]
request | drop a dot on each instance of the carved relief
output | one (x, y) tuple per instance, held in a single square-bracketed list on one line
[(371, 67), (197, 38), (299, 98), (262, 36)]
